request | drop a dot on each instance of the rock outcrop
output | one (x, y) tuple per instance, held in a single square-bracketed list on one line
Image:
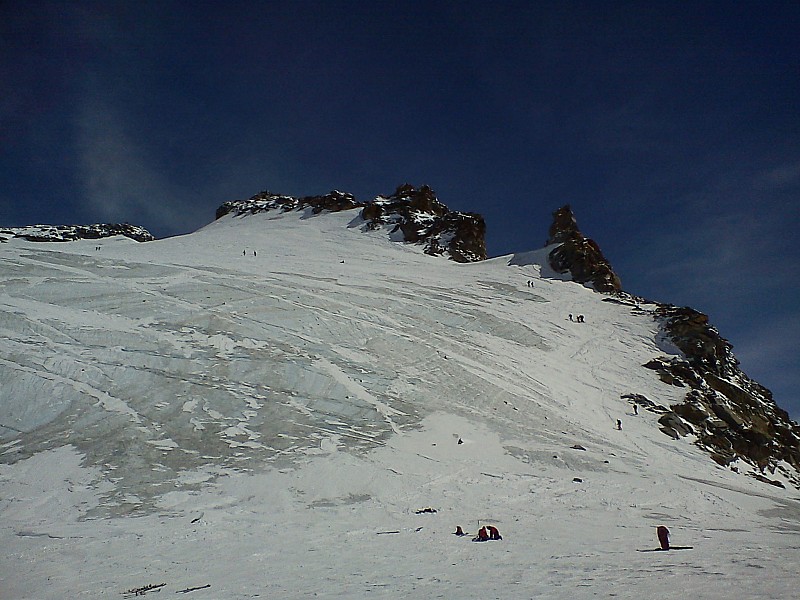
[(266, 201), (579, 255), (422, 219), (413, 213), (70, 233), (730, 416)]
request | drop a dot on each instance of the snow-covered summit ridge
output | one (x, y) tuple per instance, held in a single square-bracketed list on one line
[(410, 215), (267, 201), (71, 233)]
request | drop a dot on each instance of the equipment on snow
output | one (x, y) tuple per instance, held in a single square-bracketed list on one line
[(494, 534), (663, 537)]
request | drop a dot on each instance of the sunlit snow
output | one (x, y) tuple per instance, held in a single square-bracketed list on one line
[(266, 407)]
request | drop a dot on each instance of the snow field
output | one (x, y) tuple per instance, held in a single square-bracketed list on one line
[(183, 411)]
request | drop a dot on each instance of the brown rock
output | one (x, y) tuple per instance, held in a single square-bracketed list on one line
[(578, 255)]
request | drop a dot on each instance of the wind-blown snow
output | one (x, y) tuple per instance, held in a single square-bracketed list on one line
[(268, 405)]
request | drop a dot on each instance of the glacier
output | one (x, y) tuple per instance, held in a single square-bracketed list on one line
[(266, 407)]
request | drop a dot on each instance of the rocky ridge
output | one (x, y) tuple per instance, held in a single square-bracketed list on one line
[(422, 219), (730, 416), (266, 201), (415, 214), (70, 233)]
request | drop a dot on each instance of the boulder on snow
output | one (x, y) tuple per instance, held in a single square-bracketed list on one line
[(674, 423)]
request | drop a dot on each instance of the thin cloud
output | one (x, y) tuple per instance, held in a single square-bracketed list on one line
[(780, 177), (120, 183), (768, 354), (719, 248), (731, 263)]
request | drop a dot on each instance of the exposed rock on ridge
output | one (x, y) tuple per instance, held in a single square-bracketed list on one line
[(732, 416), (419, 215), (266, 201), (416, 213), (579, 255), (70, 233)]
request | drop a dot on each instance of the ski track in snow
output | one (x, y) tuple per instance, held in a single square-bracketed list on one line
[(297, 411)]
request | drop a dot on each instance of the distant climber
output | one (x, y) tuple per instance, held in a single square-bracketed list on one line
[(493, 533), (570, 316), (482, 536), (636, 409), (580, 319), (663, 537), (459, 532), (619, 425), (244, 252)]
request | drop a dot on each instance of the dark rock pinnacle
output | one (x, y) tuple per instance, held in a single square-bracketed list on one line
[(579, 255)]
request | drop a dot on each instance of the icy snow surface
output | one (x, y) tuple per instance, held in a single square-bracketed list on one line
[(267, 407)]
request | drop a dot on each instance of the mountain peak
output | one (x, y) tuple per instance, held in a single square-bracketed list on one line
[(422, 218), (266, 201), (579, 255), (563, 227), (414, 215), (304, 370)]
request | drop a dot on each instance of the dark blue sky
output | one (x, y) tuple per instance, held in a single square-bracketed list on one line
[(672, 128)]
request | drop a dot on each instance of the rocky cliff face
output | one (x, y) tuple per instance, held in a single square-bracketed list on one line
[(69, 233), (413, 213), (728, 414), (732, 416), (579, 255)]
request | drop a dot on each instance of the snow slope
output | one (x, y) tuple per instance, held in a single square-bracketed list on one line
[(268, 405)]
